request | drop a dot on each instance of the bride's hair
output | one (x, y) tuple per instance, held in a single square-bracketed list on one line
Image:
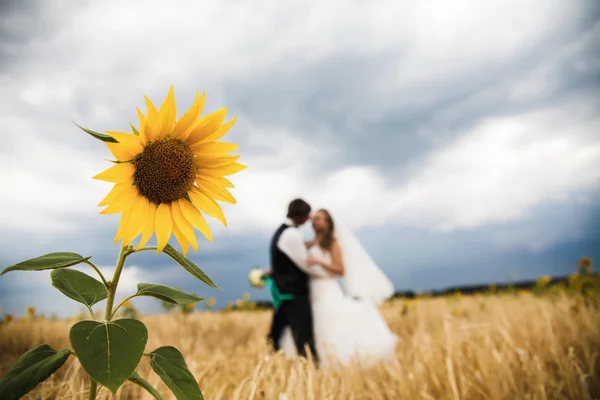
[(327, 237)]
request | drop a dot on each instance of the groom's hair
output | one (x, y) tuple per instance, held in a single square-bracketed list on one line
[(298, 208)]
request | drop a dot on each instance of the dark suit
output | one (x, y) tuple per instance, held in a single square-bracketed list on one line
[(296, 313)]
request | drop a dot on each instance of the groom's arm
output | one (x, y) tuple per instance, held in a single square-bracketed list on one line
[(292, 244)]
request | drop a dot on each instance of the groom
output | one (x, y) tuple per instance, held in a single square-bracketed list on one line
[(290, 272)]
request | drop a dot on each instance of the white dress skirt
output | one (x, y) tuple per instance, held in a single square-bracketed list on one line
[(346, 330)]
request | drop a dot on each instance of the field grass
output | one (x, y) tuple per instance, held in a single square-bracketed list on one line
[(463, 347)]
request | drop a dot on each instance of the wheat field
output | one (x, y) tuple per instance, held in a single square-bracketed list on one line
[(469, 347)]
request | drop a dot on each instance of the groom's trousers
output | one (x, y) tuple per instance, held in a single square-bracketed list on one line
[(297, 314)]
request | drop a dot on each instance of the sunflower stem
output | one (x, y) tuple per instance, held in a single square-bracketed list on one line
[(147, 248), (93, 390), (98, 271), (112, 289), (91, 312), (121, 305)]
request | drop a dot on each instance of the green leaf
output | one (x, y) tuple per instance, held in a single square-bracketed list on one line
[(169, 364), (189, 266), (110, 351), (166, 293), (78, 286), (100, 136), (138, 380), (135, 131), (47, 261), (30, 369)]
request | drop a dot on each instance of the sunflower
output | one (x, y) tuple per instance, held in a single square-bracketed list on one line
[(168, 172)]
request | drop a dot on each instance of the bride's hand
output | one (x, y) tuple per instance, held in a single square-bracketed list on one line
[(313, 261)]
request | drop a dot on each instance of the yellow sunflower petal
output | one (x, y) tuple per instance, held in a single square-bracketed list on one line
[(205, 126), (207, 205), (142, 119), (123, 223), (117, 173), (181, 239), (226, 183), (138, 220), (123, 203), (151, 128), (114, 193), (223, 171), (194, 217), (184, 226), (214, 191), (164, 226), (218, 181), (128, 141), (215, 149), (180, 131), (219, 133), (167, 113), (150, 225), (215, 162), (120, 152)]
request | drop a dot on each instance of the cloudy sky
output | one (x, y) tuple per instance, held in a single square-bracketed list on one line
[(460, 140)]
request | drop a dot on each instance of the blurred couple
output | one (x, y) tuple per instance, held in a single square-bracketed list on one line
[(337, 326)]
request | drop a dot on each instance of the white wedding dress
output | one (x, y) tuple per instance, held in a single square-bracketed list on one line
[(345, 329)]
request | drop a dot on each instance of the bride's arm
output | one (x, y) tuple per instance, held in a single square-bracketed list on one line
[(292, 244), (337, 265)]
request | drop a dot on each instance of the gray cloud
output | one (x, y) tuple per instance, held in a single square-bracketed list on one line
[(353, 91), (28, 21), (338, 93)]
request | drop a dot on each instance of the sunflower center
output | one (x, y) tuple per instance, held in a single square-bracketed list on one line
[(165, 171)]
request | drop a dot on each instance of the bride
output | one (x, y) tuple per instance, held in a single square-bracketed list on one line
[(347, 327)]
